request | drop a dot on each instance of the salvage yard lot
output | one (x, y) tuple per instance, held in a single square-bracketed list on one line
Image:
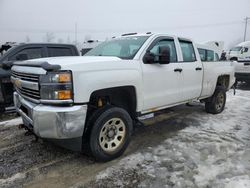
[(185, 147)]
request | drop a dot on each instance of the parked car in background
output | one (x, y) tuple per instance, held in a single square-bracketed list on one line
[(208, 53), (240, 51), (88, 45), (24, 52), (92, 102), (242, 70)]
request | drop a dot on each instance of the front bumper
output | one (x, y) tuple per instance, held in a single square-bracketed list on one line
[(63, 125), (242, 76)]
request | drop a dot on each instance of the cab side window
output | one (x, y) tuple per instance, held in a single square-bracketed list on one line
[(28, 53), (210, 55), (165, 42), (217, 57), (202, 53), (187, 51)]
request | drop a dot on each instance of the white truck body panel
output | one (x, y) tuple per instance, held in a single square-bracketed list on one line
[(157, 86)]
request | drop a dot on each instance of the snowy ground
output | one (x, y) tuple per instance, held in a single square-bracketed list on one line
[(184, 147)]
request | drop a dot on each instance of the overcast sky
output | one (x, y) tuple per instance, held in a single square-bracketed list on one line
[(30, 20)]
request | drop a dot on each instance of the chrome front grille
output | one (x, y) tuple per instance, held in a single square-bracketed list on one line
[(26, 84), (29, 93), (25, 76)]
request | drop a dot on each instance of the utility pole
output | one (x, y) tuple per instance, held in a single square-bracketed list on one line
[(246, 22), (76, 33)]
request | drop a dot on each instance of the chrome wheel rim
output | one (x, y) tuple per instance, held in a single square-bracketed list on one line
[(219, 101), (112, 135)]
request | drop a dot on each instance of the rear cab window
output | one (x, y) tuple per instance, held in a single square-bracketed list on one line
[(187, 50), (208, 55)]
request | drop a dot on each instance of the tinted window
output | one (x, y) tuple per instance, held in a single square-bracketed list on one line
[(202, 53), (246, 49), (59, 51), (210, 55), (29, 53), (170, 44), (187, 51), (217, 57)]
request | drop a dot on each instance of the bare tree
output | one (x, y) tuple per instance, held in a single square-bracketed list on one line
[(27, 39), (68, 39), (49, 37), (60, 40)]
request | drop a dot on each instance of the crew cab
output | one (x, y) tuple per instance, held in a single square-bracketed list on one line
[(24, 52), (91, 103)]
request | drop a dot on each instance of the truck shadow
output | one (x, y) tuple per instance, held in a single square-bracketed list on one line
[(163, 126), (243, 86)]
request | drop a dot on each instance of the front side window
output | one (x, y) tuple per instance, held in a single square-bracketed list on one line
[(165, 42), (124, 47), (187, 51), (28, 53), (210, 55)]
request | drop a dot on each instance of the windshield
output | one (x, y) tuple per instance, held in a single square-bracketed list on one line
[(236, 49), (124, 48)]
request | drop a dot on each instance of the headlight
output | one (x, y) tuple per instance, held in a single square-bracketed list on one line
[(56, 86)]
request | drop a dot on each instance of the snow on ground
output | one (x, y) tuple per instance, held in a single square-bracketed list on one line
[(11, 123), (212, 152)]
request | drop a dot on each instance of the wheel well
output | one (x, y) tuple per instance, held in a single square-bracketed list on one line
[(123, 97), (233, 59), (223, 80)]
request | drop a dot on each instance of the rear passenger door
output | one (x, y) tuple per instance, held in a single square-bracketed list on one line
[(192, 71)]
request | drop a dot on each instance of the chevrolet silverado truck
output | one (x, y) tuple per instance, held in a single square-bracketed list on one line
[(24, 52), (91, 103)]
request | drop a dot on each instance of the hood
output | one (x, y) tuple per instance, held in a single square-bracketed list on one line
[(81, 63)]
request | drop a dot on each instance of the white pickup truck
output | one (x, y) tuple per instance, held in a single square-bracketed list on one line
[(93, 101)]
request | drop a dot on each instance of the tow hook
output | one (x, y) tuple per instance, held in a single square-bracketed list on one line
[(28, 132)]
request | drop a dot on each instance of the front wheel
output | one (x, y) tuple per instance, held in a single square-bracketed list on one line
[(216, 103), (110, 133)]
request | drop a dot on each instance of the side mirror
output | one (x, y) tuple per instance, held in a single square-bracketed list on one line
[(149, 58), (22, 57), (164, 55)]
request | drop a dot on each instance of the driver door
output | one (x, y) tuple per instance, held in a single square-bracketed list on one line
[(161, 82)]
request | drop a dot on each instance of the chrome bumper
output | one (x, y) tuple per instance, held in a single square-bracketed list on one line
[(52, 122)]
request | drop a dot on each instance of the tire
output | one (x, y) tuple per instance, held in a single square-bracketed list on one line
[(216, 103), (110, 133)]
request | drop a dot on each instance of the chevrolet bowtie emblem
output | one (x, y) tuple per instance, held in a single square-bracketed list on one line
[(18, 83)]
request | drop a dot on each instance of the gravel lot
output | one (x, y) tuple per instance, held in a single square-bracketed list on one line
[(184, 147)]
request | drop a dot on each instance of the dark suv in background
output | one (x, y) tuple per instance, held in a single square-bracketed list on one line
[(24, 52)]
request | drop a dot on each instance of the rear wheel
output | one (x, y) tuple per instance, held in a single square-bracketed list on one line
[(110, 133), (216, 103)]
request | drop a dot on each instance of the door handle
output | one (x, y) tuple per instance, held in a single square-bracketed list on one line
[(198, 68), (178, 70)]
